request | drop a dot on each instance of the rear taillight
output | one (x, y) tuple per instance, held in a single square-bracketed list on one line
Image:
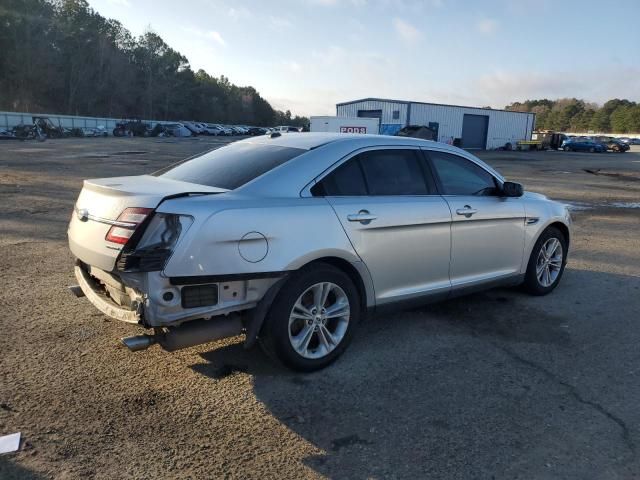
[(152, 250), (128, 221)]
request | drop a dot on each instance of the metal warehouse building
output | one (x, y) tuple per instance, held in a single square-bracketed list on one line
[(478, 128)]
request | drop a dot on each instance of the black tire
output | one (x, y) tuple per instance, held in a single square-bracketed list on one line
[(591, 150), (274, 337), (567, 149), (531, 283)]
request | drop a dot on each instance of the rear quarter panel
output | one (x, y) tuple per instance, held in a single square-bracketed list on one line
[(297, 231)]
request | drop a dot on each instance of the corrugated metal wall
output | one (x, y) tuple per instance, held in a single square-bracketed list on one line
[(503, 126), (388, 125), (8, 120)]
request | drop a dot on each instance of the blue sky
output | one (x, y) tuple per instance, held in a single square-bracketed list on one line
[(307, 55)]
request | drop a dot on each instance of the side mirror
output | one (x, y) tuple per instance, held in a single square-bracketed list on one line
[(512, 189)]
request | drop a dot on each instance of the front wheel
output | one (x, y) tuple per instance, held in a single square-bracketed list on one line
[(312, 320), (546, 263), (566, 149), (591, 150)]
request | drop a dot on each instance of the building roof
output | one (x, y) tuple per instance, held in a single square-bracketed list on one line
[(407, 102)]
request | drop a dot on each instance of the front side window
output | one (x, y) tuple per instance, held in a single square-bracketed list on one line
[(231, 166), (459, 176), (377, 172), (393, 172)]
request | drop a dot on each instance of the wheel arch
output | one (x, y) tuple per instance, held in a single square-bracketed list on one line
[(356, 276), (554, 222), (563, 228), (356, 271)]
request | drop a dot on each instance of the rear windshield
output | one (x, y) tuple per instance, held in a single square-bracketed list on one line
[(230, 166)]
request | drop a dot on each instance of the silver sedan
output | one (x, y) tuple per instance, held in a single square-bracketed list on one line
[(293, 240)]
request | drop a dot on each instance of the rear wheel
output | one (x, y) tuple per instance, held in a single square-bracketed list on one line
[(546, 263), (567, 149), (591, 150), (312, 320)]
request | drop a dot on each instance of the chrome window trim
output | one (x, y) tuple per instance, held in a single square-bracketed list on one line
[(495, 175), (486, 168)]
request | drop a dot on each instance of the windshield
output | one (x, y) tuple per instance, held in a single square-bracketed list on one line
[(230, 166)]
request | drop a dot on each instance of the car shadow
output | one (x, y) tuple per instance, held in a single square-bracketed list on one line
[(12, 471), (446, 390)]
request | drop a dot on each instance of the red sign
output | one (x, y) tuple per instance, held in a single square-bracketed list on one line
[(353, 129)]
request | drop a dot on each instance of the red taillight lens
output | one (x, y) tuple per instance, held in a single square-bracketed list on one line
[(130, 219)]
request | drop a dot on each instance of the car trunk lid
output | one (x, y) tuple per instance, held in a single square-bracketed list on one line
[(101, 204)]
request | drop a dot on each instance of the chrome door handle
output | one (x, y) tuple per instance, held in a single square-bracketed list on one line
[(363, 216), (467, 211)]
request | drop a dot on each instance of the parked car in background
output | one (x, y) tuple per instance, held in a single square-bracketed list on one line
[(235, 129), (286, 129), (257, 131), (583, 145), (193, 127), (211, 129), (176, 130), (292, 239), (613, 144)]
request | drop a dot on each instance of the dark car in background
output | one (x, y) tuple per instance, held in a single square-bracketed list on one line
[(613, 144), (583, 145), (257, 131)]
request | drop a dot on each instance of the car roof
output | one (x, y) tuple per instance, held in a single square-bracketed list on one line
[(322, 150), (312, 140)]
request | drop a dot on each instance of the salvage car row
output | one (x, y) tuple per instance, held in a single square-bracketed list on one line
[(599, 144)]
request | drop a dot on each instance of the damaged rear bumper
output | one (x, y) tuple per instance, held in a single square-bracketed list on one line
[(154, 301), (102, 302)]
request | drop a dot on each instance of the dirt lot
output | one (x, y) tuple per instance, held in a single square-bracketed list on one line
[(496, 385)]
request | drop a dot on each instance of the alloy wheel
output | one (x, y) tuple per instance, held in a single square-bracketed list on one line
[(319, 320), (549, 262)]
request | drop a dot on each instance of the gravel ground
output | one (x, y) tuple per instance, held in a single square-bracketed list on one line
[(495, 385)]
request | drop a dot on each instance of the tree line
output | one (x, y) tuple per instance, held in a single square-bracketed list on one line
[(573, 115), (61, 56)]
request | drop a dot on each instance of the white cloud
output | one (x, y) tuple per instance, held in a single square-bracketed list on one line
[(279, 23), (333, 55), (486, 26), (217, 37), (406, 31), (120, 3), (293, 66), (501, 87), (333, 3), (208, 35), (239, 13)]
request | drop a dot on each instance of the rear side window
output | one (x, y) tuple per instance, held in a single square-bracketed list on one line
[(345, 181), (377, 172), (230, 166), (459, 176)]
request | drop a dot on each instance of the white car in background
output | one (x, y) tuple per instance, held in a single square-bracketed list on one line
[(223, 128), (194, 127), (211, 129), (286, 129), (177, 130)]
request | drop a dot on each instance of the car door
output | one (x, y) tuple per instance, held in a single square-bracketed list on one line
[(487, 230), (395, 220)]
